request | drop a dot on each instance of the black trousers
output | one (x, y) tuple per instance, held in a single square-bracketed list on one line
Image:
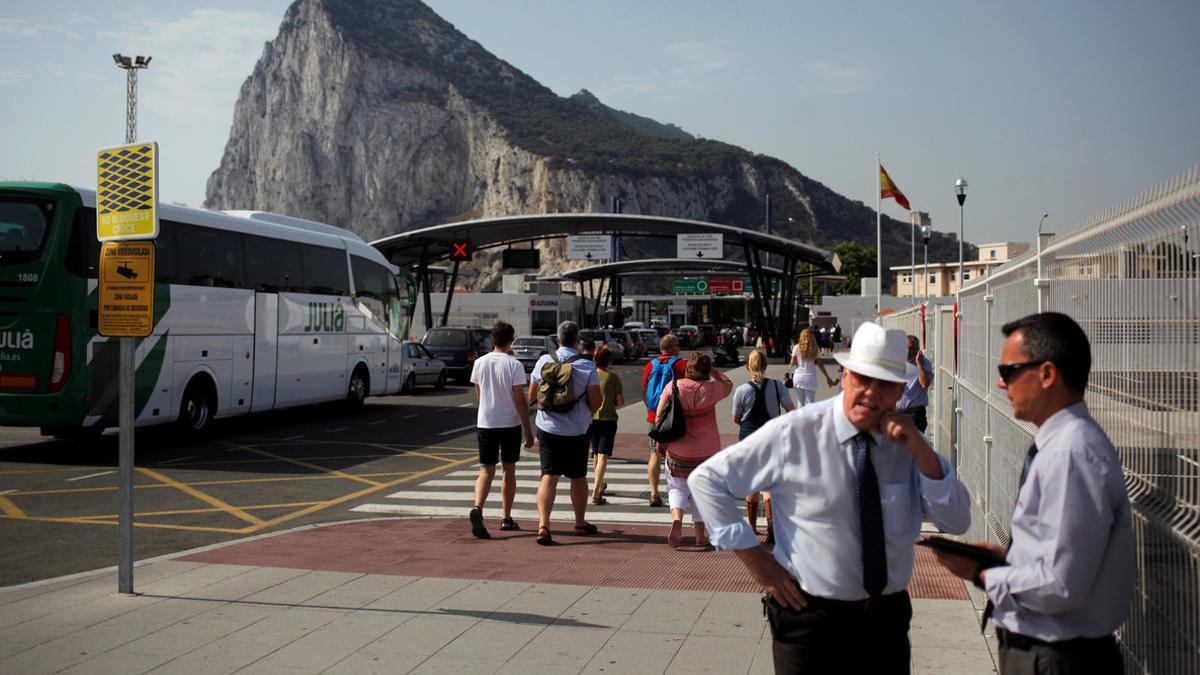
[(1020, 655), (831, 636)]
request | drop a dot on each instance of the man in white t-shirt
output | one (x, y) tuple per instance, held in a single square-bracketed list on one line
[(499, 381)]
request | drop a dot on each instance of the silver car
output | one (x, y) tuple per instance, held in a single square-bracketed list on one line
[(528, 349), (421, 368)]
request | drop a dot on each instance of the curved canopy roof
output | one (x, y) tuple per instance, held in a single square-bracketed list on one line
[(657, 266), (405, 249)]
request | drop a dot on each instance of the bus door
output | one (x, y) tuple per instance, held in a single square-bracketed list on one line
[(266, 349)]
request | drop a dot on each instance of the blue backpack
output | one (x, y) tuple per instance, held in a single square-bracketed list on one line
[(661, 374)]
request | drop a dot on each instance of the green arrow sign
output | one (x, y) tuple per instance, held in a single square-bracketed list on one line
[(683, 286)]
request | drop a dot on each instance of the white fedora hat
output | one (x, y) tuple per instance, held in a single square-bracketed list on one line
[(878, 353)]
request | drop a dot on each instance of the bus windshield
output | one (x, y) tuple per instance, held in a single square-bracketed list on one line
[(24, 224)]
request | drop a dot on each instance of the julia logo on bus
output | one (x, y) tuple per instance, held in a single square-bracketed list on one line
[(325, 317)]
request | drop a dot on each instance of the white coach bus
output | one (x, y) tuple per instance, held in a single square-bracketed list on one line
[(253, 311)]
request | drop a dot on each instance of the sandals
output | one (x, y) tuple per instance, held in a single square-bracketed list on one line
[(676, 535), (599, 501), (508, 524), (586, 528), (543, 537)]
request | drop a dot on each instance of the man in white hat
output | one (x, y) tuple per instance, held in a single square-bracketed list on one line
[(850, 479)]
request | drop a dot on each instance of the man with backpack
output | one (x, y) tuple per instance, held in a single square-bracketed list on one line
[(566, 388), (655, 377)]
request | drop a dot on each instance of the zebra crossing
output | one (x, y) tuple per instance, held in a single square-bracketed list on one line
[(452, 495)]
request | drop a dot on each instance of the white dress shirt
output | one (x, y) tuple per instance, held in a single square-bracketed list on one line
[(805, 460), (1070, 569)]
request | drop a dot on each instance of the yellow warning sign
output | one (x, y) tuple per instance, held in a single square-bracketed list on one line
[(127, 192), (127, 289)]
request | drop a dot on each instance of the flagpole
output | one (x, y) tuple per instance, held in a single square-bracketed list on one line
[(878, 237)]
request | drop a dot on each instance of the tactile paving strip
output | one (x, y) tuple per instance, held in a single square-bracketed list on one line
[(622, 556)]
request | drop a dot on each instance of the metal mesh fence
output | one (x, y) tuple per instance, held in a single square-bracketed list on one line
[(1131, 278)]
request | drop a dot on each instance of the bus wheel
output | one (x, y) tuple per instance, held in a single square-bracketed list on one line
[(356, 394), (441, 381), (196, 410)]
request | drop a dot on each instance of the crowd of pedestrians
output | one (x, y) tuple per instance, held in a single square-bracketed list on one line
[(845, 483)]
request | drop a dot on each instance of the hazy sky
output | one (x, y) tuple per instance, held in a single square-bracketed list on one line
[(1066, 107)]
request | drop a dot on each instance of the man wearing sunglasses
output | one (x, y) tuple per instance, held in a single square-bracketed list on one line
[(1067, 577)]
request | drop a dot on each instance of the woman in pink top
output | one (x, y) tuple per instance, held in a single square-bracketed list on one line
[(698, 396)]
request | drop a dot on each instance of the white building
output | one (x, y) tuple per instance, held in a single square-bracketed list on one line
[(943, 276)]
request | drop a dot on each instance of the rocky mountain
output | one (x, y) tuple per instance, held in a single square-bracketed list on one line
[(382, 117)]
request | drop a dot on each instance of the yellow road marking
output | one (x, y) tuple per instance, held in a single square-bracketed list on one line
[(182, 512), (85, 521), (314, 467), (203, 483), (10, 509), (353, 495), (208, 499)]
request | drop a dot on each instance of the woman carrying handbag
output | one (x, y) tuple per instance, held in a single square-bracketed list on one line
[(698, 394)]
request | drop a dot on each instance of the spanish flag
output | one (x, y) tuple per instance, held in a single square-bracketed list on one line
[(888, 189)]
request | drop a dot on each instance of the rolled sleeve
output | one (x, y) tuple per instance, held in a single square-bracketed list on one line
[(722, 514)]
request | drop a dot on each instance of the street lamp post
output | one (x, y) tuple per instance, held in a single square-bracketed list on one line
[(131, 66), (960, 191), (925, 232), (125, 384)]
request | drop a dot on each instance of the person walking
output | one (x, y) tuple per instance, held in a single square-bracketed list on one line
[(851, 479), (754, 404), (655, 376), (566, 388), (499, 380), (915, 399), (1065, 582), (603, 431), (699, 392), (837, 337), (805, 362)]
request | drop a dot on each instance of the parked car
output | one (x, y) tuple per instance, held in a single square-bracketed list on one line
[(650, 338), (623, 338), (529, 348), (420, 367), (635, 340), (689, 336), (633, 325), (605, 337), (708, 334), (458, 347)]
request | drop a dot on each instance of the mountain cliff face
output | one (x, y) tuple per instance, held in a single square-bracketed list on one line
[(381, 117)]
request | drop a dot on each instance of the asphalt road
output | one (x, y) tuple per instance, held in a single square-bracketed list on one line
[(249, 476)]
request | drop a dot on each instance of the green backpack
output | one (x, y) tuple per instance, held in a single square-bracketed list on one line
[(554, 391)]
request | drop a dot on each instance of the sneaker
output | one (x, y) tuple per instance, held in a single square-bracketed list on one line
[(477, 528)]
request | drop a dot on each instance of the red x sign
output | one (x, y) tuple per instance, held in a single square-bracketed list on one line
[(460, 250)]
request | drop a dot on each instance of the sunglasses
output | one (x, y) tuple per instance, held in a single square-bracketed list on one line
[(1009, 370)]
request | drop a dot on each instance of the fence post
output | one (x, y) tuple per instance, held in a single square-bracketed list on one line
[(987, 408)]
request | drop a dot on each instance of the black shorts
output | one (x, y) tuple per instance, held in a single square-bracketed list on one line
[(563, 455), (502, 444), (603, 434)]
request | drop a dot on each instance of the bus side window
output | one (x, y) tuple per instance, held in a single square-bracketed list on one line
[(83, 251), (324, 270), (214, 257), (272, 265), (165, 268)]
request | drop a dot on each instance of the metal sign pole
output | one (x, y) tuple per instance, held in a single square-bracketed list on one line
[(125, 460)]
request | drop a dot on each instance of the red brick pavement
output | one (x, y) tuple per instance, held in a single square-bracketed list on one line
[(625, 556)]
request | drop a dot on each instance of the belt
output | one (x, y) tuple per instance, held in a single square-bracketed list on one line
[(865, 605), (1012, 640)]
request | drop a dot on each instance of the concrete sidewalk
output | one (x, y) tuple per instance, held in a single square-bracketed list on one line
[(304, 601)]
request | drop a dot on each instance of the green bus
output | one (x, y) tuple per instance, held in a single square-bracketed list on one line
[(252, 311)]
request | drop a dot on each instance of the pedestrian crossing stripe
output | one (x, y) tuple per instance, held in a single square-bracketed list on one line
[(452, 495)]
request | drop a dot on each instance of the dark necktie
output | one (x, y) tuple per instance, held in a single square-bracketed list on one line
[(1033, 450), (870, 519)]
